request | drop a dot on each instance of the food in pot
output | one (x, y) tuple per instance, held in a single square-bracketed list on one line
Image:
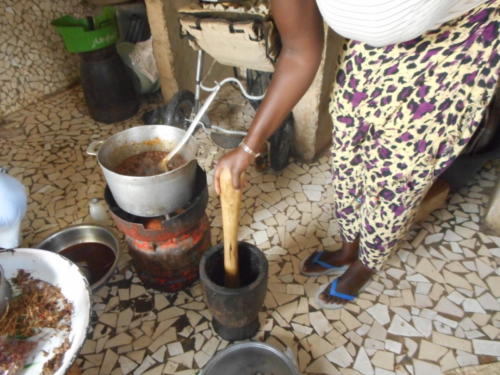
[(94, 258), (55, 362), (38, 305), (35, 305), (148, 164), (13, 354)]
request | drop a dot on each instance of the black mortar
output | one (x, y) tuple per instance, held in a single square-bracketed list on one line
[(235, 310)]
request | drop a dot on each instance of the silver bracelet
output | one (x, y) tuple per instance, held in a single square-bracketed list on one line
[(248, 150)]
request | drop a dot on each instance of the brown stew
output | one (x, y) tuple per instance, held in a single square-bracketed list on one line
[(147, 164), (96, 258)]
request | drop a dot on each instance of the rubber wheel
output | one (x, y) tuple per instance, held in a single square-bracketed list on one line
[(280, 145), (155, 116), (257, 83), (281, 141), (179, 109)]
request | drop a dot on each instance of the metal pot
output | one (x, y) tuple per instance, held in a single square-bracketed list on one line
[(151, 195), (84, 234), (250, 358)]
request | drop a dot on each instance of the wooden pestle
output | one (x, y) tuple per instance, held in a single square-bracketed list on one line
[(230, 204)]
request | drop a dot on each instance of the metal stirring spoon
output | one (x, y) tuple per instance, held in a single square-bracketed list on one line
[(214, 90), (164, 162)]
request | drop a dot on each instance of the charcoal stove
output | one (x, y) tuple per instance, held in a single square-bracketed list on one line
[(166, 250)]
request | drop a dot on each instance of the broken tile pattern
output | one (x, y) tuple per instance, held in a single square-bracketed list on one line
[(434, 307), (33, 61)]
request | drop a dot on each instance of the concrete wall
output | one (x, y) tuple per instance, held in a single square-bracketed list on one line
[(33, 61), (313, 124), (175, 59)]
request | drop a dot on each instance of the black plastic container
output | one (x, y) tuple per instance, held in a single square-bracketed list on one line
[(107, 86), (235, 310)]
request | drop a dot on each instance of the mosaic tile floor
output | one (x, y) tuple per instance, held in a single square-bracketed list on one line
[(435, 307)]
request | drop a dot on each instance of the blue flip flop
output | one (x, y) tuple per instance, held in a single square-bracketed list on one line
[(332, 292), (329, 269)]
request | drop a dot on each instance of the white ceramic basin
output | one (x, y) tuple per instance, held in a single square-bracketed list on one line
[(60, 272)]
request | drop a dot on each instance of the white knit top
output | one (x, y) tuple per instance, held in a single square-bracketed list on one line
[(383, 22)]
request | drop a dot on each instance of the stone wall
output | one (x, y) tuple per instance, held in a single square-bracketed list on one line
[(33, 61)]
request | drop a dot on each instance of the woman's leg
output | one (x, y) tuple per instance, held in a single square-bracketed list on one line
[(434, 92), (347, 169)]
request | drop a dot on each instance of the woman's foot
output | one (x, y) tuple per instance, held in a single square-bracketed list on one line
[(316, 264), (346, 287)]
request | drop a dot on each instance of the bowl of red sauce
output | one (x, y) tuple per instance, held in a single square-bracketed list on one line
[(93, 248)]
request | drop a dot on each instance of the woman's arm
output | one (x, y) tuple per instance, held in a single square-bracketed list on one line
[(301, 30)]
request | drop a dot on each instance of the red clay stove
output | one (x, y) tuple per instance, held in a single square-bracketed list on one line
[(166, 250)]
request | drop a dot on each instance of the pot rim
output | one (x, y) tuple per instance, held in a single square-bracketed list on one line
[(204, 279), (142, 178)]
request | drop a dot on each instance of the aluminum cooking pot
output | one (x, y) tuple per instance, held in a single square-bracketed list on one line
[(84, 234), (150, 195), (251, 358)]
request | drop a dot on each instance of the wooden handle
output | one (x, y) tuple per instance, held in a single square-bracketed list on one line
[(230, 203)]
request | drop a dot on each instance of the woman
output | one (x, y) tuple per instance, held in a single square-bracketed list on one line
[(412, 87)]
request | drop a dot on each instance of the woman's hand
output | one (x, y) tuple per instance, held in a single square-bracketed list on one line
[(237, 161)]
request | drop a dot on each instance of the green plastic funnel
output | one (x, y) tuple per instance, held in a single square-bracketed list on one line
[(88, 34)]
